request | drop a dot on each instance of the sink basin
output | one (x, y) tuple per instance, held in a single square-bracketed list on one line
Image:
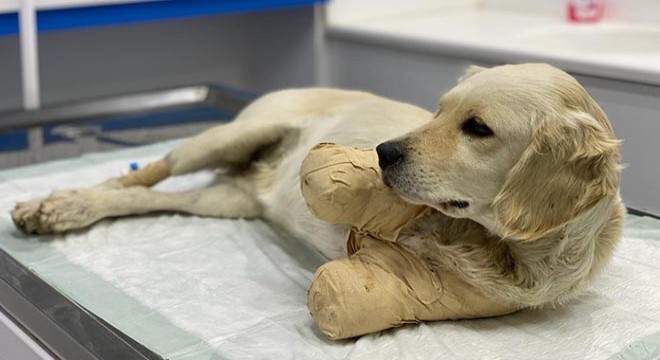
[(595, 38)]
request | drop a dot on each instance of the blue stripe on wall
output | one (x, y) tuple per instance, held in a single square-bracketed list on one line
[(8, 24), (72, 18), (13, 140)]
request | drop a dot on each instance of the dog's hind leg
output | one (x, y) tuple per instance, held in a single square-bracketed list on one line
[(233, 145)]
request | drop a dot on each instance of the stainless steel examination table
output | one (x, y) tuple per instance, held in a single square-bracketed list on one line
[(182, 287)]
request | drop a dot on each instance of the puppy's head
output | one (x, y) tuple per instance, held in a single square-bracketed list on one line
[(521, 149)]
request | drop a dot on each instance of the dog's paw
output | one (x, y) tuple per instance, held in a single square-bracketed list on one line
[(25, 216), (63, 210)]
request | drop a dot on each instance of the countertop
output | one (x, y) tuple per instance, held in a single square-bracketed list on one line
[(615, 50)]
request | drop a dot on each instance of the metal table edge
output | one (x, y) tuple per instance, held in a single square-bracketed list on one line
[(62, 326)]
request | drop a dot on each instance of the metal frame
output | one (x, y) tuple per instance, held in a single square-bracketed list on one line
[(66, 329), (228, 100), (62, 327)]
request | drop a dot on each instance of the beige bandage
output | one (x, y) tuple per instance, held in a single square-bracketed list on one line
[(147, 175), (383, 286), (343, 185)]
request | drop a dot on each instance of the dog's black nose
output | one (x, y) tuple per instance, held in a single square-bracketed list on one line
[(389, 153)]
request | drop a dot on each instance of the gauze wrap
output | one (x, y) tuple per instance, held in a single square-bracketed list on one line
[(380, 284), (342, 185), (149, 175)]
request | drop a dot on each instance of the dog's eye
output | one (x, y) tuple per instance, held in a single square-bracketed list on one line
[(474, 127)]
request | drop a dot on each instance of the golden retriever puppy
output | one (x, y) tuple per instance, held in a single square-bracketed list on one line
[(519, 162)]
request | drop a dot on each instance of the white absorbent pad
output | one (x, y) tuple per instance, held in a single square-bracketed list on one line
[(196, 288)]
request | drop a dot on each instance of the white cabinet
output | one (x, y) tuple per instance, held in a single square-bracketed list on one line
[(634, 110)]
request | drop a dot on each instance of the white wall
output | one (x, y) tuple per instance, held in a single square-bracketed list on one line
[(634, 10), (624, 10), (347, 10), (615, 10)]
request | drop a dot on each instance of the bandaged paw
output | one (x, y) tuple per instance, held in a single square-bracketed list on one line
[(380, 284), (383, 286), (343, 185)]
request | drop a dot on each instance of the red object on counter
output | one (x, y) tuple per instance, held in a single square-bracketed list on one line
[(585, 10)]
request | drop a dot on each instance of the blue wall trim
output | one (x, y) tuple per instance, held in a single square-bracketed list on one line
[(14, 140), (8, 24), (72, 18)]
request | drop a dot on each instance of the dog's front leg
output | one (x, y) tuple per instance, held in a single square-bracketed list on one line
[(383, 286), (66, 210)]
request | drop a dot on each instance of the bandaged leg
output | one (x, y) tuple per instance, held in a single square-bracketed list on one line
[(383, 286), (342, 185)]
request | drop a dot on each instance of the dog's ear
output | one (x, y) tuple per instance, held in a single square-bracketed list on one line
[(571, 163), (471, 70)]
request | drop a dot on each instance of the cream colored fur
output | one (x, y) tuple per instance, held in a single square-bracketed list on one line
[(544, 214)]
